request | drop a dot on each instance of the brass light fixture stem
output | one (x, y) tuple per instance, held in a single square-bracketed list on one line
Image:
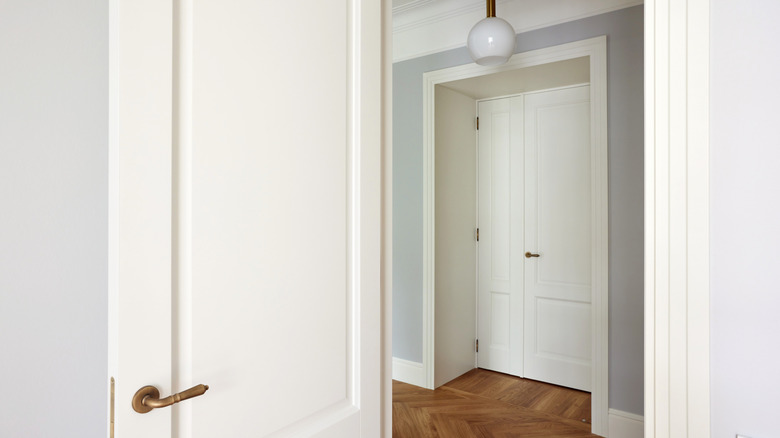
[(491, 8)]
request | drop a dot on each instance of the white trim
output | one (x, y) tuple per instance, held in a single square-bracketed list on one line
[(596, 49), (413, 4), (387, 222), (625, 424), (526, 93), (420, 19), (424, 27), (677, 387), (408, 372)]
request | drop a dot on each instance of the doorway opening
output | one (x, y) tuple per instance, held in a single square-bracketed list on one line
[(444, 320)]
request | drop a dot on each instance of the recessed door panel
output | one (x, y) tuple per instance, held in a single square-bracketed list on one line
[(562, 336), (269, 208), (558, 227), (500, 222)]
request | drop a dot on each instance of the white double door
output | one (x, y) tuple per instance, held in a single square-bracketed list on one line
[(535, 247), (245, 197)]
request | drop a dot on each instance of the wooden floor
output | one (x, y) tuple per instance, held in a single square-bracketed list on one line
[(485, 404)]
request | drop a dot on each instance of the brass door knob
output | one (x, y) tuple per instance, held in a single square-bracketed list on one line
[(528, 255), (148, 398)]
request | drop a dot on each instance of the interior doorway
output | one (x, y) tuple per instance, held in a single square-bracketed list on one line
[(446, 319)]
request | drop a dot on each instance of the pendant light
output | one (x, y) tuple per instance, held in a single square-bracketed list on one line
[(492, 40)]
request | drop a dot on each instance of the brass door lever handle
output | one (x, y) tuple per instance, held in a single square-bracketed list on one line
[(528, 255), (148, 398)]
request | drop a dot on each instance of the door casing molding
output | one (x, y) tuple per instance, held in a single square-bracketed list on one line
[(596, 50), (677, 242)]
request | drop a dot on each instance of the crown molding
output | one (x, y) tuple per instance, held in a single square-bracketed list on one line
[(409, 5), (422, 27), (419, 13)]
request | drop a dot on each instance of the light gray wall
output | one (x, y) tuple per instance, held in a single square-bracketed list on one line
[(53, 217), (745, 219), (624, 30)]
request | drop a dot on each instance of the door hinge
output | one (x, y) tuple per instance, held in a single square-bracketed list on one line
[(111, 414), (477, 234), (477, 123), (477, 346)]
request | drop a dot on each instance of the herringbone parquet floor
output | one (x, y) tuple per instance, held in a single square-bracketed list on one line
[(486, 404)]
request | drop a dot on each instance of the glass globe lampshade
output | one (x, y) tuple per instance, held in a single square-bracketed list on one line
[(491, 41)]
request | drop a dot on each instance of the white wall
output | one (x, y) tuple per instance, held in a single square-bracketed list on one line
[(53, 217), (456, 207), (745, 219)]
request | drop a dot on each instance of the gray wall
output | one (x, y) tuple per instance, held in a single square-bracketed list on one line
[(745, 219), (624, 30), (53, 217)]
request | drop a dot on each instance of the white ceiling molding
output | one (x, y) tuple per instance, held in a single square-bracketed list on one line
[(400, 6), (422, 27), (420, 13)]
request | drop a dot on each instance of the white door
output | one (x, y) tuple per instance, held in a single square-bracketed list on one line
[(535, 197), (245, 216), (500, 221), (558, 227)]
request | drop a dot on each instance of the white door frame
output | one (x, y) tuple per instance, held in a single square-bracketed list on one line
[(386, 267), (677, 243), (596, 49)]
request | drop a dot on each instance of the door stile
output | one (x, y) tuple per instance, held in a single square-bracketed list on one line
[(140, 193), (182, 376)]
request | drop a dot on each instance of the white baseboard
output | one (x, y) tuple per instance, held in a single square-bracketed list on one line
[(625, 424), (409, 372)]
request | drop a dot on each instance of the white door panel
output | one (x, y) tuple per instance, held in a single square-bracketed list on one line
[(246, 198), (535, 195), (500, 223), (558, 221)]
